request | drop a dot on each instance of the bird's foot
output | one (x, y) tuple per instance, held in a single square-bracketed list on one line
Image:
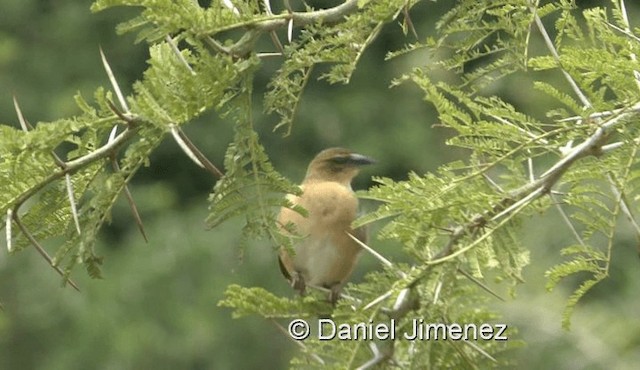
[(334, 294), (298, 283)]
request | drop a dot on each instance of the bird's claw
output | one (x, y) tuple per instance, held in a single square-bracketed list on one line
[(334, 294), (298, 283)]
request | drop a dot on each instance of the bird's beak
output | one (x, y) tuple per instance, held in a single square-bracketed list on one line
[(360, 160)]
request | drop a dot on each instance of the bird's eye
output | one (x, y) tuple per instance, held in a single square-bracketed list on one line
[(340, 160)]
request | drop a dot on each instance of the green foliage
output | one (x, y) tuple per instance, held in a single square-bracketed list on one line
[(458, 226), (251, 301), (503, 140), (340, 45), (251, 187)]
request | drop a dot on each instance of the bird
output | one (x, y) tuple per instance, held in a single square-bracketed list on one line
[(324, 255)]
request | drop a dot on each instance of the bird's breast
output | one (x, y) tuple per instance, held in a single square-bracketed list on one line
[(326, 255)]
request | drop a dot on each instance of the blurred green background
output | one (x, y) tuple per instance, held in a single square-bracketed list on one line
[(157, 304)]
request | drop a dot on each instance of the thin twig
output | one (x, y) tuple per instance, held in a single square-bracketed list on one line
[(378, 300), (597, 115), (76, 164), (377, 255), (272, 33), (493, 183), (554, 52), (627, 31), (520, 129), (41, 250), (289, 19), (26, 126), (67, 177), (298, 343), (624, 205), (532, 195), (479, 283), (567, 220), (407, 19), (215, 45), (177, 52)]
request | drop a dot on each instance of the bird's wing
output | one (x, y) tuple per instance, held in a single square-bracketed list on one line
[(285, 267), (362, 233)]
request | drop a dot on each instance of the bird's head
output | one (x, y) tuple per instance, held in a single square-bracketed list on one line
[(336, 164)]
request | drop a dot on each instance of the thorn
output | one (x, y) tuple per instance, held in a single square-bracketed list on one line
[(267, 6), (377, 255), (408, 21), (193, 152), (112, 134), (377, 300), (42, 251), (8, 228), (23, 122), (185, 148), (120, 115), (114, 83), (175, 49), (27, 126), (72, 201), (436, 292), (276, 42), (132, 203), (266, 55), (231, 7), (298, 342), (480, 284)]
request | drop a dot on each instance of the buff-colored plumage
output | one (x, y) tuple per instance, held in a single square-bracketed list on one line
[(326, 255)]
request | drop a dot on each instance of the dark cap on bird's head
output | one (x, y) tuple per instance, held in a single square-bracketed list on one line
[(336, 164)]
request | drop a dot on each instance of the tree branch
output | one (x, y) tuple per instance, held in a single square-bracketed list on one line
[(41, 250), (76, 164), (256, 28)]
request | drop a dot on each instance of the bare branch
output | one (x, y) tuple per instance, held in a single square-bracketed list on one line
[(554, 52), (74, 165), (25, 126), (597, 115), (529, 197), (528, 192), (567, 220), (177, 52), (288, 19)]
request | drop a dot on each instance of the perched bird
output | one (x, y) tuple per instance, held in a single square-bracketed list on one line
[(324, 255)]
